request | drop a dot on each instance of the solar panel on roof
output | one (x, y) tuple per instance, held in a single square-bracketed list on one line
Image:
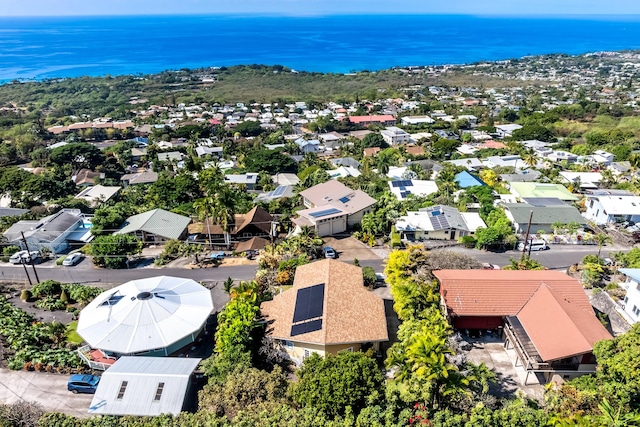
[(325, 212), (309, 303), (344, 199), (402, 183), (303, 328)]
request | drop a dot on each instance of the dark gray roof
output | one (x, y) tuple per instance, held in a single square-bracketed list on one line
[(12, 212), (346, 161), (544, 214), (529, 176), (47, 229)]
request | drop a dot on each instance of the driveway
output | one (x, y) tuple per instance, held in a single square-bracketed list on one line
[(349, 248), (50, 390)]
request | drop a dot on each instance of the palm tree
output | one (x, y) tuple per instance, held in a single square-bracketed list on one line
[(601, 240), (530, 158), (203, 208), (223, 212)]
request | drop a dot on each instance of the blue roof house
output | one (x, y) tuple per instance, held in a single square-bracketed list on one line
[(465, 180)]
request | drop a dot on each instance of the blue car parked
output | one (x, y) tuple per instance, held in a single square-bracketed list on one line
[(80, 383)]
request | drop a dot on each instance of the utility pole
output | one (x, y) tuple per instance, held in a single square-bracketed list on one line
[(27, 273), (30, 257), (526, 239)]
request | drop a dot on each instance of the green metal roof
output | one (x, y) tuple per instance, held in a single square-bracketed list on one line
[(538, 189), (544, 214), (158, 221)]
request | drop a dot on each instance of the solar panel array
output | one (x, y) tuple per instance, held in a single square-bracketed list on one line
[(303, 328), (402, 183), (309, 307), (309, 303), (439, 220), (404, 194), (344, 199), (325, 212)]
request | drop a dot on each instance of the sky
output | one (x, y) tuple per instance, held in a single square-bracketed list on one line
[(317, 7)]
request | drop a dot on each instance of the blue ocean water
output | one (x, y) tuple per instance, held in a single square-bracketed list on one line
[(75, 46)]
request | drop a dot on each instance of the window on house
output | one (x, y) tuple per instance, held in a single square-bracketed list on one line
[(307, 354), (123, 387), (289, 345), (159, 392), (636, 310), (626, 300)]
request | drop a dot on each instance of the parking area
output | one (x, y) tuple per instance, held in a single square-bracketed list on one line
[(349, 248), (510, 378), (50, 390)]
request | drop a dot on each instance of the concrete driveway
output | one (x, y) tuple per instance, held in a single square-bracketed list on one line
[(349, 248), (50, 390)]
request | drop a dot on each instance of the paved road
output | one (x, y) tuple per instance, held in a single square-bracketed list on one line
[(558, 257)]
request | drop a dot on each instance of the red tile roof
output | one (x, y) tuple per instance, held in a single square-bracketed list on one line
[(502, 292), (351, 313), (559, 327)]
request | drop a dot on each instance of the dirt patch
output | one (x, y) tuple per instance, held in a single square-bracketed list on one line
[(226, 262)]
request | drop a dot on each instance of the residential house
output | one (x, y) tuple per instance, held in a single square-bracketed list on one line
[(527, 175), (138, 153), (559, 156), (250, 180), (308, 145), (384, 120), (97, 194), (543, 216), (328, 310), (343, 172), (544, 315), (538, 189), (505, 131), (371, 151), (255, 223), (141, 177), (202, 151), (55, 232), (285, 178), (419, 188), (465, 179), (631, 304), (345, 161), (587, 180), (171, 156), (280, 192), (332, 207), (609, 206), (471, 164), (146, 386), (602, 158), (417, 120), (394, 135), (438, 223), (86, 177), (446, 134), (156, 226)]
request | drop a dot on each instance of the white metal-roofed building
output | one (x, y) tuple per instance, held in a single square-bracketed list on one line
[(632, 298), (155, 316), (420, 188), (144, 386), (604, 209), (394, 135)]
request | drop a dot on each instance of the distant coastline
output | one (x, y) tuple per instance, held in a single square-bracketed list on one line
[(124, 45)]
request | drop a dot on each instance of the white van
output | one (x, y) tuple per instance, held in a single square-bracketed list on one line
[(536, 245)]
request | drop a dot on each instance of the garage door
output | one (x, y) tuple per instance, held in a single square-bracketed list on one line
[(324, 229)]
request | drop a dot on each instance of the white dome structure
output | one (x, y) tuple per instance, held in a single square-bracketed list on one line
[(154, 316)]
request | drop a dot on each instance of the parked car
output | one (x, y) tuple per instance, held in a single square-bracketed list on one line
[(33, 256), (489, 266), (329, 252), (217, 255), (536, 245), (17, 257), (252, 253), (73, 259), (81, 383)]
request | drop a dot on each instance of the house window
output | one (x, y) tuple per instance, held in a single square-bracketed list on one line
[(307, 354), (636, 311), (123, 387), (289, 345), (626, 299), (591, 203), (347, 350)]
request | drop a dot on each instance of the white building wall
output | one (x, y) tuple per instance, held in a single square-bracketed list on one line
[(632, 300)]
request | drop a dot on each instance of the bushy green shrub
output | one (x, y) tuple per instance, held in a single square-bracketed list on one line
[(47, 288), (369, 276), (467, 241), (51, 303), (25, 295)]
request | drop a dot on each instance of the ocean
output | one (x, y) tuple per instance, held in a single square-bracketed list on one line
[(39, 48)]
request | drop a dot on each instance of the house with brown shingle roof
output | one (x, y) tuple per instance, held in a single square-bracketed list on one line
[(544, 315), (255, 223), (328, 310)]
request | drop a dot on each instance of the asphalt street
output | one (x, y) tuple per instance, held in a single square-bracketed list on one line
[(559, 257)]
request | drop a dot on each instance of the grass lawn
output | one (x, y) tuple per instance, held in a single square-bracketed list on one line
[(72, 335)]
